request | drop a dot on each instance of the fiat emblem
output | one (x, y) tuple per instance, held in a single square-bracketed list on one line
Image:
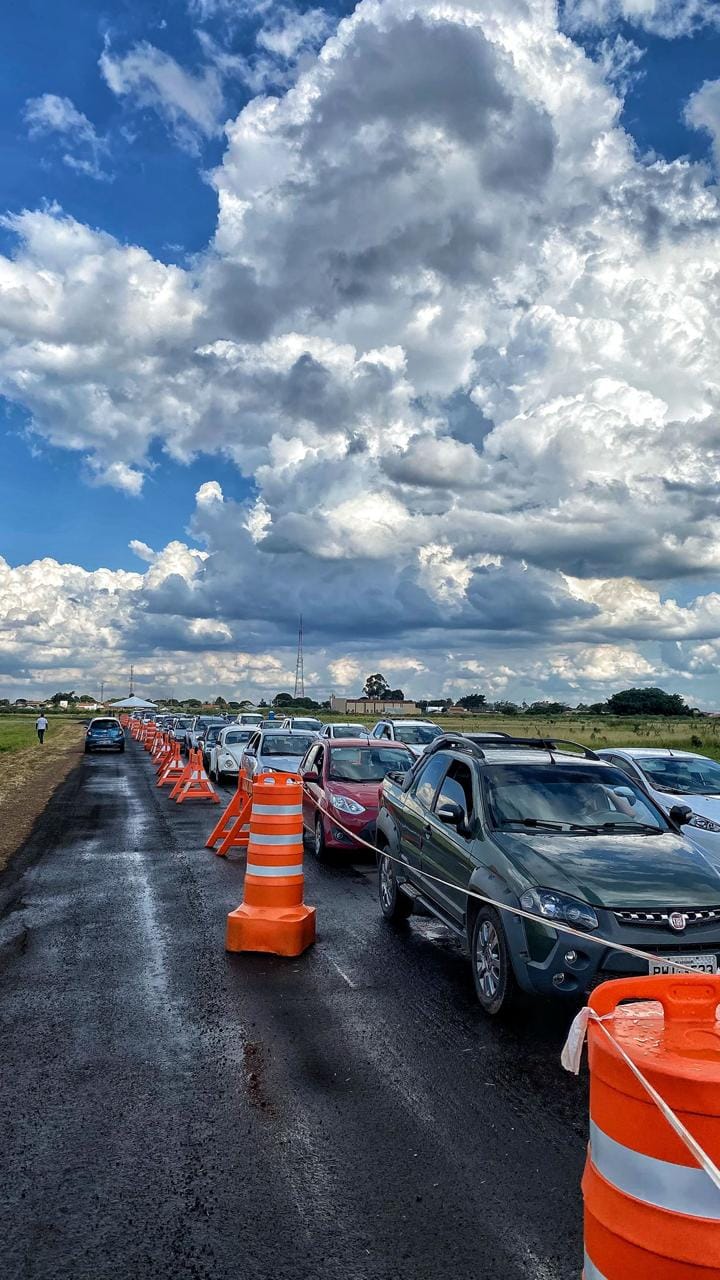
[(676, 920)]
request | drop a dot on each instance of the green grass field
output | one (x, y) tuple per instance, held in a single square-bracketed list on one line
[(686, 734), (17, 732)]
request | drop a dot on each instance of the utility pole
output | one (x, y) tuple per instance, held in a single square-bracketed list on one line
[(132, 681), (299, 665), (102, 691)]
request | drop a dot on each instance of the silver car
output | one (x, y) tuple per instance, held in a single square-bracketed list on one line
[(276, 750)]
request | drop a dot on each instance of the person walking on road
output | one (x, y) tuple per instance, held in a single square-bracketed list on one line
[(41, 725)]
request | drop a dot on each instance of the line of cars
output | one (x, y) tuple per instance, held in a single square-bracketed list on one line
[(617, 846)]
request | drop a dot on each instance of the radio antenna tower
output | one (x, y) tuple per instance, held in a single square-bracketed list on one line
[(132, 681), (299, 665)]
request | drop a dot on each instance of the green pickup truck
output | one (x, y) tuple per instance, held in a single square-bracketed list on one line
[(551, 829)]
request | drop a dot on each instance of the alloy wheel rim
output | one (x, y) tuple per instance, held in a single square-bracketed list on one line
[(318, 839), (488, 960), (387, 885)]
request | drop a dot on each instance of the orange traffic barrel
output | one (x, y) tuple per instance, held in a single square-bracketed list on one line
[(651, 1211), (273, 916)]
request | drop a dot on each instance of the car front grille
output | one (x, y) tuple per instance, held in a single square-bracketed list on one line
[(656, 919)]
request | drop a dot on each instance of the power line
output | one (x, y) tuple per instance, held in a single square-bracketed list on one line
[(299, 665)]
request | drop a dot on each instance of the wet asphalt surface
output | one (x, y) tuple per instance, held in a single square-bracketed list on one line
[(167, 1110)]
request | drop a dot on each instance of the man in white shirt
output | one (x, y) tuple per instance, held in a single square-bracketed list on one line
[(41, 725)]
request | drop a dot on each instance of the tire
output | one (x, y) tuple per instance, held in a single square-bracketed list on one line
[(496, 986), (121, 749), (87, 751), (394, 904), (319, 847)]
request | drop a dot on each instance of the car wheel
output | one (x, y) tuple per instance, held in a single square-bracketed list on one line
[(495, 983), (319, 847), (121, 748), (394, 904)]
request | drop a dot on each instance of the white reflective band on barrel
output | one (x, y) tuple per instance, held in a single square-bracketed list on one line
[(278, 839), (282, 810), (657, 1182), (590, 1271), (253, 869)]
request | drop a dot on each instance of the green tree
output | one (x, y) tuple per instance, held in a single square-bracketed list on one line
[(283, 700), (647, 702), (473, 701), (233, 706), (220, 702), (548, 709), (376, 687), (63, 697), (506, 708)]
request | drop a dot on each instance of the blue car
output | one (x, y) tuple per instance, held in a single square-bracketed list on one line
[(105, 733)]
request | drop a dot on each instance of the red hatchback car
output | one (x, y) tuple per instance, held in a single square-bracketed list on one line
[(343, 776)]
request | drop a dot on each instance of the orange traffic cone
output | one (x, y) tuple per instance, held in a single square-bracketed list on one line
[(273, 916), (173, 769), (233, 829), (197, 785), (651, 1213), (150, 734)]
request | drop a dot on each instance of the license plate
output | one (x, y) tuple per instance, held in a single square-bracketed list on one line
[(669, 964)]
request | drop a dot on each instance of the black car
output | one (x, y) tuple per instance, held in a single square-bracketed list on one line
[(104, 733)]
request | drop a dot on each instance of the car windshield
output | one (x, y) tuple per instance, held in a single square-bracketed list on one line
[(237, 735), (417, 734), (305, 722), (349, 731), (568, 799), (689, 776), (182, 724), (286, 744), (362, 764)]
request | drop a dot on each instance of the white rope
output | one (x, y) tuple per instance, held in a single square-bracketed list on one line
[(493, 902), (572, 1051)]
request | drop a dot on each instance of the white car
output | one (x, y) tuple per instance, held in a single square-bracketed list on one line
[(251, 718), (345, 731), (416, 734), (678, 778), (226, 751), (276, 750), (309, 724)]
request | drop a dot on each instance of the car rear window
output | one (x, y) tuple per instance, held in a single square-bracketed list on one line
[(366, 764), (286, 744), (237, 735), (105, 724)]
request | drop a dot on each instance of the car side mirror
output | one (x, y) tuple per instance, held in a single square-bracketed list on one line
[(312, 776), (681, 814), (451, 814)]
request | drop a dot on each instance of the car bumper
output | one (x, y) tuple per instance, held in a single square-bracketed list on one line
[(115, 745), (574, 966), (336, 838)]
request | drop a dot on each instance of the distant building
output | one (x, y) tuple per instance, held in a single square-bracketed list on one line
[(372, 707)]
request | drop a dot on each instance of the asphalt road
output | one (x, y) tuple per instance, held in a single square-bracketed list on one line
[(167, 1110)]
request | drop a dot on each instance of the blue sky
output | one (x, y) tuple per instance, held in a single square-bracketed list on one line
[(159, 198), (463, 465)]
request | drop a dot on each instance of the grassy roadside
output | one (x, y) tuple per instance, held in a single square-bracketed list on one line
[(30, 774)]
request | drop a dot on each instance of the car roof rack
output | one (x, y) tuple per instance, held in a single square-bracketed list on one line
[(454, 742), (548, 744), (459, 742)]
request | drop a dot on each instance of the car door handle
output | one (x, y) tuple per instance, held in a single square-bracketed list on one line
[(427, 829)]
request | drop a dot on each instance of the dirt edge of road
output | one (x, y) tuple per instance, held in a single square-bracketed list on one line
[(28, 779)]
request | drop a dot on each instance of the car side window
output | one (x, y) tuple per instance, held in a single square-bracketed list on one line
[(308, 764), (623, 764), (252, 744), (457, 788), (377, 731), (318, 762), (428, 780)]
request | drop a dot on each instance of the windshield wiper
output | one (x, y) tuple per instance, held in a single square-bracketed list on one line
[(629, 828), (531, 822)]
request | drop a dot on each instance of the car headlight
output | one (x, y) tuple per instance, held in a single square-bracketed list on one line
[(558, 906), (705, 824), (345, 804)]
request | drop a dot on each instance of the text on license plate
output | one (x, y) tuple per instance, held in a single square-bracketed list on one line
[(669, 964)]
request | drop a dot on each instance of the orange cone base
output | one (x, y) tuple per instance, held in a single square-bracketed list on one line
[(282, 931)]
